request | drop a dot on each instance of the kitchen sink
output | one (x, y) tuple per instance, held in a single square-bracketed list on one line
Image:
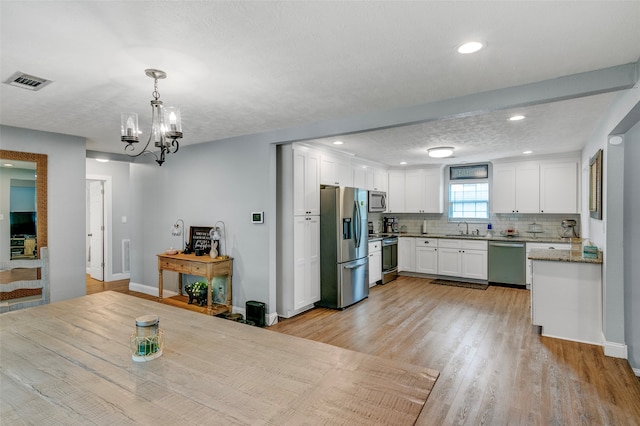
[(465, 236)]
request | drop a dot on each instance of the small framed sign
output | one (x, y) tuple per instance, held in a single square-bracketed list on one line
[(479, 171), (257, 217), (200, 239)]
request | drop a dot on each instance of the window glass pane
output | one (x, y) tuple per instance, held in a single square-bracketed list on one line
[(469, 200)]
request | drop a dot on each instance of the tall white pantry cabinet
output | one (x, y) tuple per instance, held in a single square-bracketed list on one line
[(298, 242)]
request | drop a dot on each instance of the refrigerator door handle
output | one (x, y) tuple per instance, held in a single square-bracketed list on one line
[(356, 264), (356, 227)]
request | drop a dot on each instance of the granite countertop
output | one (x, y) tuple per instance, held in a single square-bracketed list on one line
[(563, 256), (519, 238)]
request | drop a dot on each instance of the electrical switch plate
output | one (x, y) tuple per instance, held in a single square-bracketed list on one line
[(124, 219)]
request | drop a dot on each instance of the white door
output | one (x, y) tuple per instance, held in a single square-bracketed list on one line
[(95, 237)]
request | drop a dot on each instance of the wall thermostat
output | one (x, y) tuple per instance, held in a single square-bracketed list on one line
[(257, 217)]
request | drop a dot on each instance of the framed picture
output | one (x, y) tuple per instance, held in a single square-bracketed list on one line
[(199, 238), (595, 186)]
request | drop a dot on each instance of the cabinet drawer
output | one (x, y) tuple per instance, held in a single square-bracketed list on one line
[(474, 245), (426, 242), (199, 269), (175, 265), (375, 246), (450, 243)]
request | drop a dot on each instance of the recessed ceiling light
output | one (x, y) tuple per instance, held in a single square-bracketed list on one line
[(470, 47), (338, 143), (102, 160), (8, 165), (402, 163), (527, 152), (516, 118), (440, 152)]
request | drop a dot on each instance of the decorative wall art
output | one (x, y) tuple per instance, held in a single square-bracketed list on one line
[(595, 186), (199, 239)]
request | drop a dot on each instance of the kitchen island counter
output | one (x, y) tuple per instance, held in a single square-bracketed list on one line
[(564, 256), (566, 295)]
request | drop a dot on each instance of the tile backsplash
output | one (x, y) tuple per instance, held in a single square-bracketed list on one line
[(440, 224)]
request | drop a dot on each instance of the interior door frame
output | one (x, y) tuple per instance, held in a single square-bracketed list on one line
[(107, 217), (95, 234)]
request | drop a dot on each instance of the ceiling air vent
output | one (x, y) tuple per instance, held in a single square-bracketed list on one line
[(26, 81)]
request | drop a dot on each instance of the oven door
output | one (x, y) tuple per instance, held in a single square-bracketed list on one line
[(389, 259)]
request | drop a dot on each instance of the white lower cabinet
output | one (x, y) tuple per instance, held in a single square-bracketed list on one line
[(306, 269), (375, 262), (463, 258), (426, 255), (406, 254)]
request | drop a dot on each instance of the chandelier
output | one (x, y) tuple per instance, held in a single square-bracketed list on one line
[(166, 127)]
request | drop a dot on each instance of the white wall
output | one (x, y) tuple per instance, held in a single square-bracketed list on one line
[(604, 233), (66, 203), (202, 184), (632, 245)]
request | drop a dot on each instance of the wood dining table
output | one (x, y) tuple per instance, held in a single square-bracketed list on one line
[(70, 362)]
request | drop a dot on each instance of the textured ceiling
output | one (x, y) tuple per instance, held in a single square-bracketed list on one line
[(243, 68)]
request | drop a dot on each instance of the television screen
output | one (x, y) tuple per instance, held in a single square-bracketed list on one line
[(23, 223)]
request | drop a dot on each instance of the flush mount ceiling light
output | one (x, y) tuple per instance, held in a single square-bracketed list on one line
[(527, 152), (338, 143), (166, 127), (615, 140), (470, 47), (516, 118), (440, 152)]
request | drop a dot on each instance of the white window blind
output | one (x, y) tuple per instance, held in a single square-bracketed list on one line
[(469, 200)]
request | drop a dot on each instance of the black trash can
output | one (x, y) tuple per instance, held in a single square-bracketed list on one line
[(255, 312)]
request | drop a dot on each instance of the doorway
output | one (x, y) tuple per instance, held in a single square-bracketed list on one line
[(95, 249)]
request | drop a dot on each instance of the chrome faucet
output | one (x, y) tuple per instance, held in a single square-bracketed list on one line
[(467, 230)]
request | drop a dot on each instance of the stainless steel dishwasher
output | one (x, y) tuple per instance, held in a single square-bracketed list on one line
[(507, 263)]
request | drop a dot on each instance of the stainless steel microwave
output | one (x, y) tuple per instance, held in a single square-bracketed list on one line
[(377, 201)]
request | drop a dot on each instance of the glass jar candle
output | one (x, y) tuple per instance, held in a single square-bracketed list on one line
[(148, 340)]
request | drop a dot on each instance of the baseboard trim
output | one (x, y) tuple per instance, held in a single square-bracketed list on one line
[(272, 319), (151, 291), (615, 350), (636, 371)]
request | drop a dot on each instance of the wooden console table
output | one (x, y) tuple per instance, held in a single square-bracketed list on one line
[(202, 266)]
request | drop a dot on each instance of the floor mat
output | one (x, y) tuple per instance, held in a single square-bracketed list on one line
[(477, 286)]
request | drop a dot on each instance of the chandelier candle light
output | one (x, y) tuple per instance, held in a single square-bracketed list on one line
[(164, 137)]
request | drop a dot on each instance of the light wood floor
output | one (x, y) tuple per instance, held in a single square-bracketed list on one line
[(495, 368)]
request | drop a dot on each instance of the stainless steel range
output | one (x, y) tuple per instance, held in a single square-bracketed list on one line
[(389, 259)]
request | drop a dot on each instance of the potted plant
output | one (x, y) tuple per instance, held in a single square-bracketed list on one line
[(197, 292)]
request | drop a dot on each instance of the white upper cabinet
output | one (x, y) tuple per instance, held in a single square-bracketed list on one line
[(380, 179), (359, 176), (395, 194), (369, 177), (535, 187), (423, 191), (559, 187), (516, 188), (306, 186), (335, 171)]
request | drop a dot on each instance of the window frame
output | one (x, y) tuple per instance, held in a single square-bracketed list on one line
[(466, 181)]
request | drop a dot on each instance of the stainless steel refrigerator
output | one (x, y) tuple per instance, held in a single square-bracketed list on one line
[(344, 272)]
